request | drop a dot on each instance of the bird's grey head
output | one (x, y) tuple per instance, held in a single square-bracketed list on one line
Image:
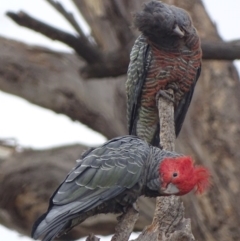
[(160, 20), (183, 20)]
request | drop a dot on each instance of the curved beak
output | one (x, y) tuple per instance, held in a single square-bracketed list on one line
[(178, 31), (171, 189)]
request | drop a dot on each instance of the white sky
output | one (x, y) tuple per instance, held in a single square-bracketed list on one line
[(31, 119)]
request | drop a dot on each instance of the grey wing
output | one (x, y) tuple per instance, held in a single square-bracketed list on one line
[(184, 104), (104, 173), (101, 175), (140, 58)]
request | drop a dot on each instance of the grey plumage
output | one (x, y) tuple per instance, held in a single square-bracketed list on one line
[(107, 179), (167, 55)]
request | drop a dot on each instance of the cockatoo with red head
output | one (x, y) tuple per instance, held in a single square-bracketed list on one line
[(110, 178)]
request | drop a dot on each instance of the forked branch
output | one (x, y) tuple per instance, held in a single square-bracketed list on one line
[(68, 16), (104, 64), (83, 48)]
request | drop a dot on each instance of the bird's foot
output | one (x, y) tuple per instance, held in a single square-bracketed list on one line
[(165, 94)]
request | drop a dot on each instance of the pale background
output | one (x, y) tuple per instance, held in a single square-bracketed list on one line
[(60, 129)]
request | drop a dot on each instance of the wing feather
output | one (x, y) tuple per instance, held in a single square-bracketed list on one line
[(118, 166), (101, 175), (140, 58), (184, 104)]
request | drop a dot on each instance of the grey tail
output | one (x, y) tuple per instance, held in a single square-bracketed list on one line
[(35, 225), (50, 230), (54, 232)]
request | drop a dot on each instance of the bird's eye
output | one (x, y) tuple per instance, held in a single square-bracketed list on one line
[(175, 174)]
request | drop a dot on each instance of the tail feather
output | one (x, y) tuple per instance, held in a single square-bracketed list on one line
[(57, 221), (34, 233), (54, 232), (57, 228), (46, 224)]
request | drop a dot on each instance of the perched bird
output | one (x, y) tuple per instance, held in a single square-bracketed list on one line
[(110, 178), (167, 55)]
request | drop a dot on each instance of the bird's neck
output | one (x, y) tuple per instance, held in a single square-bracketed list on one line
[(152, 181), (167, 44), (173, 44)]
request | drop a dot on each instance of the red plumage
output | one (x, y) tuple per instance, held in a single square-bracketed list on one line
[(202, 179), (182, 173)]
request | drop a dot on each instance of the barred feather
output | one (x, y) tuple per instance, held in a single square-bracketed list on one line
[(109, 179), (169, 62)]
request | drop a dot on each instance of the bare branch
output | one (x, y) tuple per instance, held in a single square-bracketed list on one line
[(115, 63), (83, 48), (126, 224), (168, 223), (51, 80), (221, 50), (68, 16), (169, 212), (110, 22), (166, 120), (120, 24)]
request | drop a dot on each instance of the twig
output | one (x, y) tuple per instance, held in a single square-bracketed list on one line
[(68, 16), (87, 51)]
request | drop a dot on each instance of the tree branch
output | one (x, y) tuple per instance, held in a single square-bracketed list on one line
[(110, 22), (68, 16), (120, 24), (169, 214), (82, 47), (126, 224), (111, 63), (172, 227), (99, 65), (166, 120), (221, 50), (51, 80)]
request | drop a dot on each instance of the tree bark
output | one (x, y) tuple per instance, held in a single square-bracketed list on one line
[(51, 80), (111, 29), (210, 133), (169, 213)]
